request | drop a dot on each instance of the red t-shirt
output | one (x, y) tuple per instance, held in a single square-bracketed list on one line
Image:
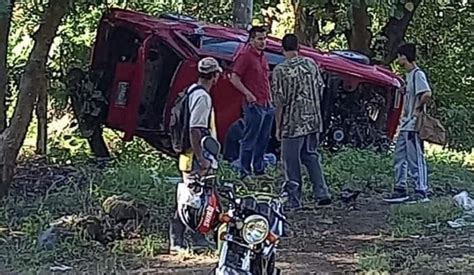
[(252, 68)]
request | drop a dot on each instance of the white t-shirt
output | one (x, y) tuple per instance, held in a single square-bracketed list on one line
[(200, 107), (420, 83)]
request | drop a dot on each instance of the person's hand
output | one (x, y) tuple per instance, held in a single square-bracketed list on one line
[(250, 98), (403, 89), (204, 163)]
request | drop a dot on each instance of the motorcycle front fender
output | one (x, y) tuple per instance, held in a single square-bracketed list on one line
[(223, 269)]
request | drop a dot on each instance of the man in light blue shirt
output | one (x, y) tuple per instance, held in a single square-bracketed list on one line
[(409, 156)]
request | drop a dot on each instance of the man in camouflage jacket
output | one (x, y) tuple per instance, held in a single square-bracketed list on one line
[(296, 86)]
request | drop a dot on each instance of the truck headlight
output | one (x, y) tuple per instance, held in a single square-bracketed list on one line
[(255, 229)]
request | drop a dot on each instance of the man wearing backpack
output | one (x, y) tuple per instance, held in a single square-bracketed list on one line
[(200, 116), (409, 155)]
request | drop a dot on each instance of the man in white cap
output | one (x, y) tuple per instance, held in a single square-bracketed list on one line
[(201, 124)]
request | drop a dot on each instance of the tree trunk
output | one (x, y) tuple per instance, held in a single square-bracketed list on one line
[(392, 36), (13, 137), (360, 35), (5, 19), (306, 26), (42, 116), (242, 11)]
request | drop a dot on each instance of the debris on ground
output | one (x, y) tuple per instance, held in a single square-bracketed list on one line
[(463, 201), (60, 268), (49, 238), (349, 196), (37, 178), (466, 203), (122, 219), (124, 208)]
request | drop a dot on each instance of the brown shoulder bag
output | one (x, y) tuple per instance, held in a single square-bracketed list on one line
[(429, 128)]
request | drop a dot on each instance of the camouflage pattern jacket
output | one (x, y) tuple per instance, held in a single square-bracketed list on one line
[(297, 86)]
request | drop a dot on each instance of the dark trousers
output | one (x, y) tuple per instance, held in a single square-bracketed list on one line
[(232, 141), (304, 150), (257, 130)]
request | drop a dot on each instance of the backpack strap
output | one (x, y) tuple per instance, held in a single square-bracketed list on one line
[(197, 87), (414, 79)]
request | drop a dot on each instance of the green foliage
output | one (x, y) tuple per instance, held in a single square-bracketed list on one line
[(346, 168), (374, 260), (442, 33)]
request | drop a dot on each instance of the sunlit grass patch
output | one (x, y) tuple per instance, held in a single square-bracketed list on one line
[(374, 260), (420, 218)]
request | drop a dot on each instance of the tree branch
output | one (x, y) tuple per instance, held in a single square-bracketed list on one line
[(391, 36)]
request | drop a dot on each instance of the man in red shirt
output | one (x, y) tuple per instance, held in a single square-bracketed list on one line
[(251, 77)]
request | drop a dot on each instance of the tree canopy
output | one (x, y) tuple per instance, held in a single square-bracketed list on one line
[(441, 29)]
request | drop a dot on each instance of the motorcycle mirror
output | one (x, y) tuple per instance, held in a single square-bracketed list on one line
[(211, 145)]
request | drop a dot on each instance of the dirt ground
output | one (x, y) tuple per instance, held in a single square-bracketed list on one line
[(323, 240), (328, 240)]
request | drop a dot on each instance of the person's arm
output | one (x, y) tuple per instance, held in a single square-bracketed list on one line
[(195, 137), (320, 80), (237, 82), (239, 69), (423, 92), (278, 118), (318, 87), (278, 100)]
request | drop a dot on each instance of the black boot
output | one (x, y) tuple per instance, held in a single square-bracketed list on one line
[(291, 189), (200, 242), (176, 235)]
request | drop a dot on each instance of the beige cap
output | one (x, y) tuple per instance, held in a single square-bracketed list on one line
[(209, 65)]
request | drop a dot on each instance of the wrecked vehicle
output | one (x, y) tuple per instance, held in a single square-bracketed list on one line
[(140, 63)]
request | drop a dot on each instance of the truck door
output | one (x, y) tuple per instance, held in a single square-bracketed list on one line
[(126, 92)]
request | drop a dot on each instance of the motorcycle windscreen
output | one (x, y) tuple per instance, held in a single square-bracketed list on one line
[(126, 93)]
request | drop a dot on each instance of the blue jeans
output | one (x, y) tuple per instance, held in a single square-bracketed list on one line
[(257, 130)]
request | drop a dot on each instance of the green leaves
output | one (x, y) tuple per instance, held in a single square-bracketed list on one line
[(4, 8), (443, 36)]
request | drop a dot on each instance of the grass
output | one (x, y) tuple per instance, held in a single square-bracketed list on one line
[(138, 173), (423, 218), (141, 173), (374, 260)]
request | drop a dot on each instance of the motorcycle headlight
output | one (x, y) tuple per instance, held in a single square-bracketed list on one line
[(255, 229)]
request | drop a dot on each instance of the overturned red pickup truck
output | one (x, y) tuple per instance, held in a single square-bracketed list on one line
[(140, 63)]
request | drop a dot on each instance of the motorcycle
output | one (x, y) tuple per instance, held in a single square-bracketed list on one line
[(248, 231)]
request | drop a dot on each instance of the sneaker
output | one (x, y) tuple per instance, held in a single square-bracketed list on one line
[(324, 202), (398, 196), (418, 197), (178, 249)]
